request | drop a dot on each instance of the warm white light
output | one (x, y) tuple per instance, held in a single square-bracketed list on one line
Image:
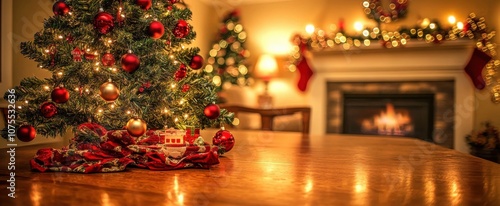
[(60, 73), (100, 110), (173, 85), (432, 26), (425, 22), (186, 116), (129, 112), (310, 28), (460, 25), (46, 87), (176, 119), (60, 37), (452, 19), (358, 26), (266, 67), (182, 101), (236, 121)]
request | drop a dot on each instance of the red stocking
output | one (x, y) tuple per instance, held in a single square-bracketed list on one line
[(475, 67), (305, 74)]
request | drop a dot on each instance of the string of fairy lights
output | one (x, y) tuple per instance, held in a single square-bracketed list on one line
[(432, 32)]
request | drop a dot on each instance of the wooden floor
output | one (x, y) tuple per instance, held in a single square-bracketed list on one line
[(273, 168)]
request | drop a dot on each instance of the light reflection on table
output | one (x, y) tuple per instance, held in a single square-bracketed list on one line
[(273, 168)]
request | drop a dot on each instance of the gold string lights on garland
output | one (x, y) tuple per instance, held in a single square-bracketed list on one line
[(374, 10), (473, 28)]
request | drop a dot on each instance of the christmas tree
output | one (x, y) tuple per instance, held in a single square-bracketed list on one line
[(120, 64), (227, 62)]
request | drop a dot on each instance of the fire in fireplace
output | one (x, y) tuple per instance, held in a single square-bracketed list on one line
[(409, 115), (389, 122)]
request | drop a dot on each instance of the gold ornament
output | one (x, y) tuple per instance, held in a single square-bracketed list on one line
[(109, 91), (136, 127)]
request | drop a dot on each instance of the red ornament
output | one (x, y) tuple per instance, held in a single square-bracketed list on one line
[(70, 39), (144, 4), (89, 56), (77, 54), (224, 140), (60, 95), (185, 87), (108, 59), (48, 109), (196, 62), (26, 133), (156, 29), (181, 29), (130, 62), (180, 73), (103, 22), (60, 8), (212, 111), (172, 1)]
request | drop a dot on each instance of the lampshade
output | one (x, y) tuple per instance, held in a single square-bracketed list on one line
[(266, 67)]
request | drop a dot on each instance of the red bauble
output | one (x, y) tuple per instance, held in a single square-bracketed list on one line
[(144, 4), (130, 62), (48, 109), (212, 111), (60, 8), (196, 62), (185, 87), (156, 29), (180, 73), (60, 95), (181, 29), (103, 22), (224, 140), (108, 59), (26, 133)]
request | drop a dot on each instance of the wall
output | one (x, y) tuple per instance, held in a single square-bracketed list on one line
[(27, 18), (271, 25)]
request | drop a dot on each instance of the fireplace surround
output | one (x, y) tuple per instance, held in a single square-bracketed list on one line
[(416, 62), (425, 106)]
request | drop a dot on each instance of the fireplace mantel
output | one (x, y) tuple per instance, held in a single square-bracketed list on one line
[(417, 61)]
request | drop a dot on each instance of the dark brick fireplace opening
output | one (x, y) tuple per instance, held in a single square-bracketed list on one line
[(408, 115), (353, 108)]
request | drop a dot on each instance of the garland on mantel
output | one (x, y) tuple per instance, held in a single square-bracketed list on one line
[(430, 32)]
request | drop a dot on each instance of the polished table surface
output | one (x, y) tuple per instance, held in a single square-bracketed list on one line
[(278, 168)]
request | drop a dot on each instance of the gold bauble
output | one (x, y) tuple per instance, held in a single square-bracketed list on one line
[(109, 91), (136, 127)]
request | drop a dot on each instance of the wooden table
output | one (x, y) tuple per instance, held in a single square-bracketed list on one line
[(267, 115), (278, 168)]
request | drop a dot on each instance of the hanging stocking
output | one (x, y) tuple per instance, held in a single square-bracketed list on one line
[(305, 74), (475, 67)]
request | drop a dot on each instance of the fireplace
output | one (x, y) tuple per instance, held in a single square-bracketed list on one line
[(417, 68), (421, 109), (407, 115)]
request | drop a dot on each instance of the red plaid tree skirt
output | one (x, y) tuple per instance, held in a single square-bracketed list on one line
[(113, 151)]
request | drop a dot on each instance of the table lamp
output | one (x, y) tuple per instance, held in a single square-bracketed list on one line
[(265, 69)]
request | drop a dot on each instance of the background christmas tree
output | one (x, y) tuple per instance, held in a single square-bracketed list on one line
[(116, 63), (226, 64)]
